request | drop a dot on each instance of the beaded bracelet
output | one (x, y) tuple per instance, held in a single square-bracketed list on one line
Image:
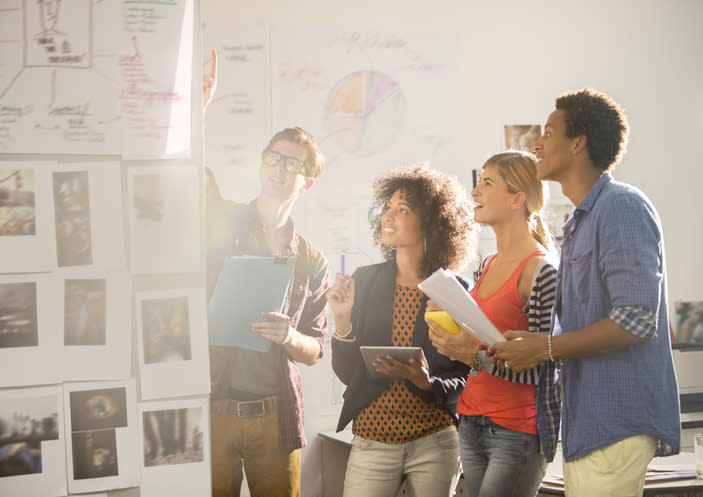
[(549, 347), (476, 364)]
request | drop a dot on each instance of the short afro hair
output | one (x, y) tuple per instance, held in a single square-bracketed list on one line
[(597, 116)]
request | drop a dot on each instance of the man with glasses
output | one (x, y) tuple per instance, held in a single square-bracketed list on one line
[(257, 404)]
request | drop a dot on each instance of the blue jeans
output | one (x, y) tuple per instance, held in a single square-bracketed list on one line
[(498, 462)]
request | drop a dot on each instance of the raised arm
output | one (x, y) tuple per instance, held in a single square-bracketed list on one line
[(210, 81)]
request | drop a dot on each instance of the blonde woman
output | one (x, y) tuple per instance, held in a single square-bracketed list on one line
[(500, 447)]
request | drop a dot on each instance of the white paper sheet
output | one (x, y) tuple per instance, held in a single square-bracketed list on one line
[(172, 343), (95, 322), (18, 410), (102, 436), (447, 292), (164, 219), (29, 331), (88, 216), (374, 99), (85, 77), (26, 225), (176, 462)]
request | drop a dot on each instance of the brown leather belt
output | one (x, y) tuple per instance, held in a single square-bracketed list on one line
[(244, 409)]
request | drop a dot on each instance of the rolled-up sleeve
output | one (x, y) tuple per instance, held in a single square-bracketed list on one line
[(640, 322), (631, 265)]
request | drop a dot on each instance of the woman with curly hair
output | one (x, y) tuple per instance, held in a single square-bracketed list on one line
[(404, 422), (500, 447)]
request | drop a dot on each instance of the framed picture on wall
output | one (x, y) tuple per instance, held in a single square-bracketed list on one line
[(521, 136), (688, 322)]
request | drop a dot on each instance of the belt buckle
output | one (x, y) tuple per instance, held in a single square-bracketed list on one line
[(251, 408)]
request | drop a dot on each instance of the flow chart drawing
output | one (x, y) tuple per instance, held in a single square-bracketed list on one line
[(109, 77)]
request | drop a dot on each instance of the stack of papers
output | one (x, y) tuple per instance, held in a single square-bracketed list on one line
[(447, 292)]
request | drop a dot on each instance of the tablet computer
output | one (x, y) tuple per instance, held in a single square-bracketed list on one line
[(402, 354)]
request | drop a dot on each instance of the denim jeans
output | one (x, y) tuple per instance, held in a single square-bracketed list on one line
[(429, 466), (498, 462)]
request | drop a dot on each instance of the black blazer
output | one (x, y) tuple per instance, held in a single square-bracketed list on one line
[(372, 324)]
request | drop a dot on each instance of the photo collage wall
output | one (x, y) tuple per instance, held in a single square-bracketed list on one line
[(76, 414)]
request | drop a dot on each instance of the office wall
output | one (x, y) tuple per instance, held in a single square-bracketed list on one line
[(96, 117), (515, 58)]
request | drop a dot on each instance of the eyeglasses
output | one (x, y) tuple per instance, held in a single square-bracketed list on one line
[(292, 164)]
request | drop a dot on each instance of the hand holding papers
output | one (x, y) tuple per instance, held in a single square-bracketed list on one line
[(447, 292), (247, 286)]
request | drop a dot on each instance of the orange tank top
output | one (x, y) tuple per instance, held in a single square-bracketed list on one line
[(510, 405)]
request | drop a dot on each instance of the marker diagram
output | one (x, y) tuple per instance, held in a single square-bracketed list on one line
[(55, 34), (95, 77), (365, 112)]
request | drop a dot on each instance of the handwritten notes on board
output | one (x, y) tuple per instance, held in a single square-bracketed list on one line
[(85, 77)]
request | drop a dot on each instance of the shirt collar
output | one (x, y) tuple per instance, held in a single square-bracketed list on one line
[(587, 203), (286, 235)]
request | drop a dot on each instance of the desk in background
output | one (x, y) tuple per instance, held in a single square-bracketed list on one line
[(336, 448), (685, 487)]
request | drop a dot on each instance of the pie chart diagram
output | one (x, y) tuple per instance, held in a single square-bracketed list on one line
[(365, 112)]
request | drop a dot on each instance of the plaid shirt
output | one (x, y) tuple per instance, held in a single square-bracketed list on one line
[(235, 229), (612, 265)]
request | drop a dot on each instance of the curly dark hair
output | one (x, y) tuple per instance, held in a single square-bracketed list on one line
[(596, 115), (445, 211)]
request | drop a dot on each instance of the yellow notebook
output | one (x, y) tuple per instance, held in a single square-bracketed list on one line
[(444, 320)]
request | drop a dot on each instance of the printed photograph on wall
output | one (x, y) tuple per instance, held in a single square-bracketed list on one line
[(94, 454), (101, 436), (555, 215), (25, 423), (72, 218), (95, 414), (98, 409), (18, 315), (166, 330), (17, 215), (176, 448), (689, 322), (521, 136), (173, 436), (164, 219), (148, 200), (84, 312)]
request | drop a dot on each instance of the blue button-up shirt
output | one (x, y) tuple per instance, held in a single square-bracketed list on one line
[(612, 265)]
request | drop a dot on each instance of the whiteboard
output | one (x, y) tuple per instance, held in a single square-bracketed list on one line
[(85, 77)]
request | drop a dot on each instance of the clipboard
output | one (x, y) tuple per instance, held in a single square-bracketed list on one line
[(246, 287), (402, 354)]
